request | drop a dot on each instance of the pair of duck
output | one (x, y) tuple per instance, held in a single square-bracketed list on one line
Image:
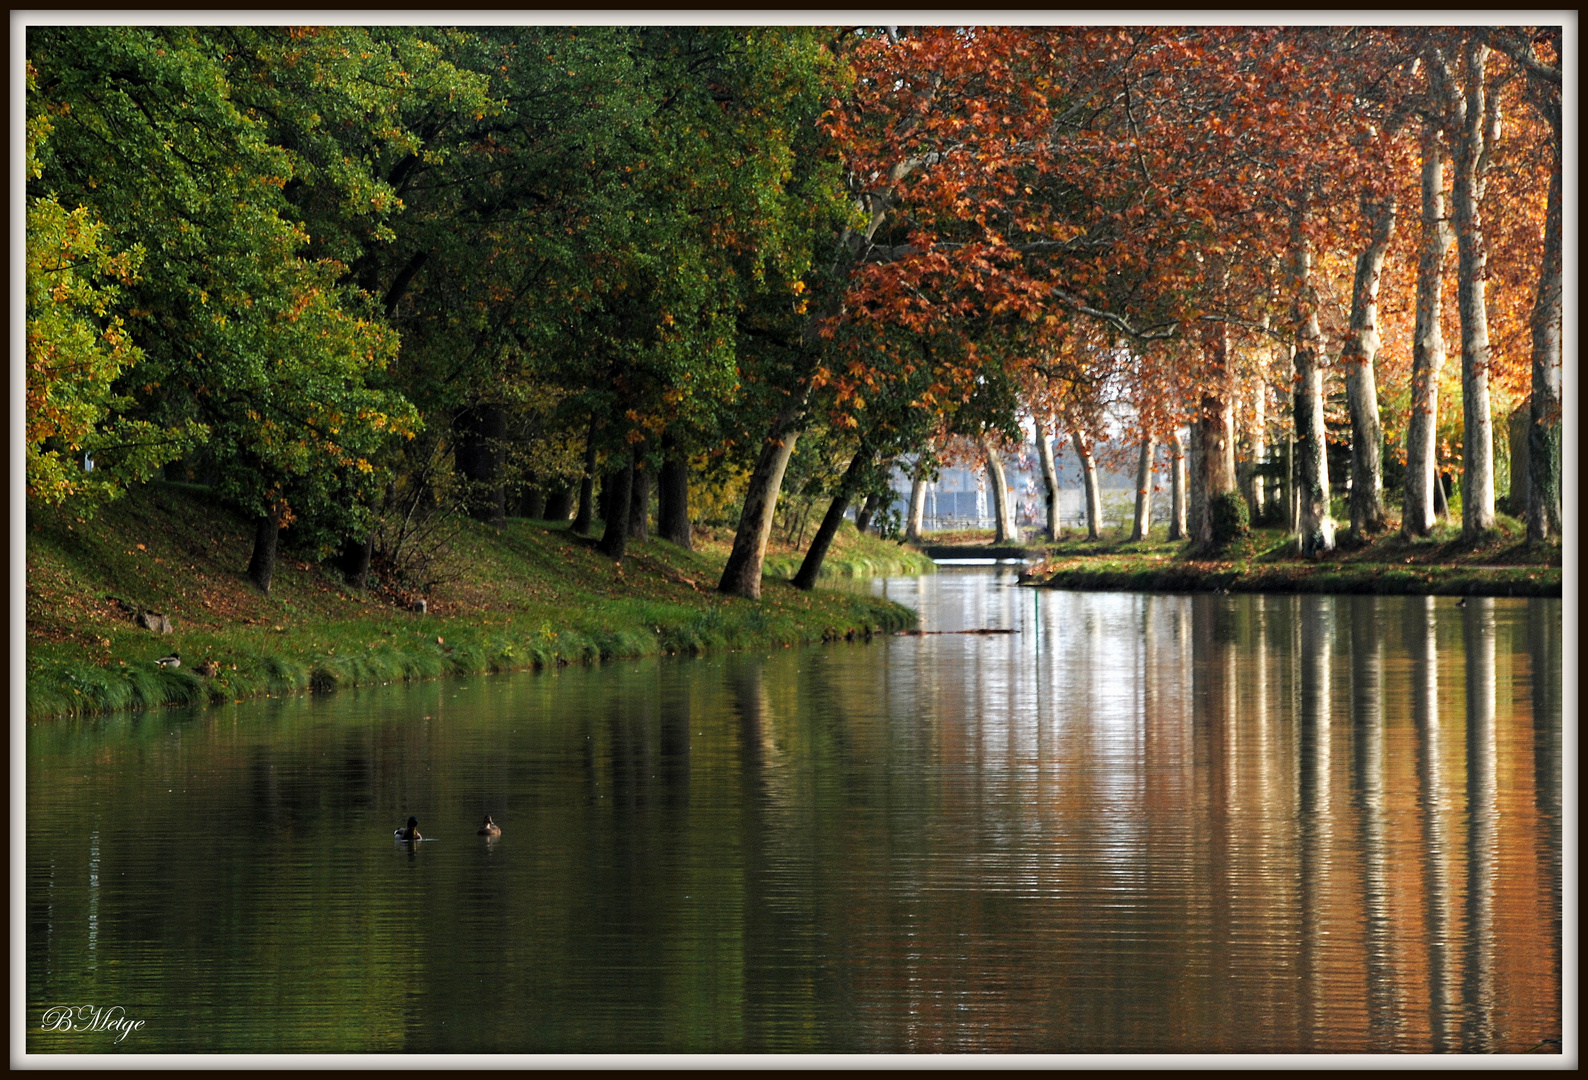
[(208, 668), (411, 830)]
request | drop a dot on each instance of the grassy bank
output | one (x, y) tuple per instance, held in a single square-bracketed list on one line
[(1499, 564), (527, 595), (853, 554)]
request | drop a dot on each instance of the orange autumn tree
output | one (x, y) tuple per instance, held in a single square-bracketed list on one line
[(975, 199), (1207, 186)]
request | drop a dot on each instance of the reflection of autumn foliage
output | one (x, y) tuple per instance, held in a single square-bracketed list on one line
[(1284, 838)]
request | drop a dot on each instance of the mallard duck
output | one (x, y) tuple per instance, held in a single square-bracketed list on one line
[(489, 827), (172, 661), (208, 669), (409, 831)]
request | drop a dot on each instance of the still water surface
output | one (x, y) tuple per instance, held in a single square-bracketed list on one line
[(1143, 823)]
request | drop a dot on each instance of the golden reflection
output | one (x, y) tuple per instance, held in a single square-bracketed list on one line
[(1423, 643), (1314, 659), (1477, 1026), (1146, 823), (1368, 788)]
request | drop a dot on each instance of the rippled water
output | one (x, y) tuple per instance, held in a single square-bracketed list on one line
[(1140, 823)]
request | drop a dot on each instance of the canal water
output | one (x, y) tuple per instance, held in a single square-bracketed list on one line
[(1136, 823)]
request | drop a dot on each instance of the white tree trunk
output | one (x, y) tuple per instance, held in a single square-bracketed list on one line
[(1050, 480), (1094, 499), (1177, 492), (1253, 484), (1361, 386), (917, 516), (1315, 527), (1141, 527), (1475, 113), (741, 576), (1213, 433), (1543, 447), (1428, 344), (1005, 529)]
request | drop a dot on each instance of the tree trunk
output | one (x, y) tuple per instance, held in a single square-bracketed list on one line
[(482, 432), (640, 498), (811, 566), (355, 559), (1312, 462), (1004, 530), (1474, 113), (1543, 442), (672, 494), (1050, 481), (1428, 344), (619, 486), (868, 511), (1214, 437), (1518, 425), (1292, 503), (917, 514), (559, 502), (586, 516), (262, 564), (1177, 492), (742, 574), (1253, 484), (1441, 497), (1141, 527), (1094, 499), (1358, 356), (532, 503), (1197, 518)]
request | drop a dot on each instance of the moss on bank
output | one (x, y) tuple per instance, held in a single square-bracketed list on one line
[(528, 595)]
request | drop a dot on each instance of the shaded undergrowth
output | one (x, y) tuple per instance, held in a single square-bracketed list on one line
[(527, 595)]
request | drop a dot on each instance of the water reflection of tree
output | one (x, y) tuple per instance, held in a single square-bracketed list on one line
[(1215, 634), (1421, 630), (1477, 1027), (1544, 654), (1367, 799), (1314, 657)]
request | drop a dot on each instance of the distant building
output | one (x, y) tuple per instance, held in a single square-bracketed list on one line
[(959, 499)]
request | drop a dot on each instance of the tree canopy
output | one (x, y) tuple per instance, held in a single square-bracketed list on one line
[(341, 273)]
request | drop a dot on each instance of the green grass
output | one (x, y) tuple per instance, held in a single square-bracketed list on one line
[(1500, 563), (526, 596), (854, 554)]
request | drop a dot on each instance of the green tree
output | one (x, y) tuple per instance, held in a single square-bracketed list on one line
[(270, 350), (76, 350)]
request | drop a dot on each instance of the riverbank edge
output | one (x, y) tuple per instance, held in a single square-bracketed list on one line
[(531, 596), (1370, 579), (907, 562), (424, 648)]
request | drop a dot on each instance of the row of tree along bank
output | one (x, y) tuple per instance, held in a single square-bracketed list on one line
[(525, 595), (365, 280)]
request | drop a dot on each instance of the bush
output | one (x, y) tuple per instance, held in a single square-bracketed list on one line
[(1231, 519)]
